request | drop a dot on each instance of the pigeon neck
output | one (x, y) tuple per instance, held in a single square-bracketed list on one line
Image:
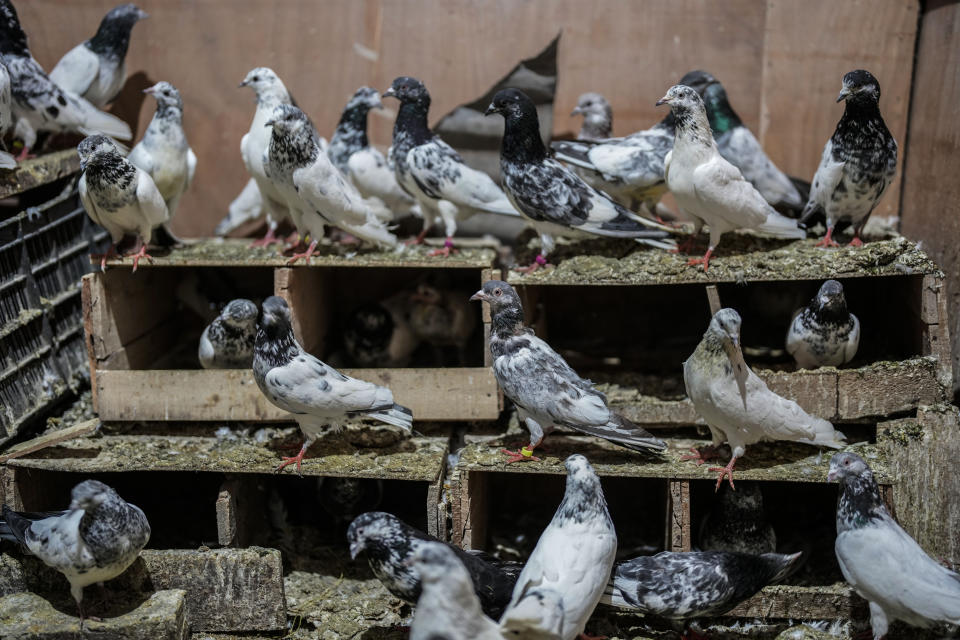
[(596, 126), (829, 314), (275, 345), (12, 38), (112, 38), (507, 322), (713, 341), (860, 502), (411, 126), (274, 95), (582, 502), (100, 528), (521, 139), (349, 137), (294, 148), (862, 109), (692, 127), (110, 170), (169, 112), (720, 114)]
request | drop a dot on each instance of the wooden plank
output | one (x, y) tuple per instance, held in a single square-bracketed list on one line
[(47, 440), (936, 327), (309, 299), (226, 509), (814, 390), (39, 171), (678, 512), (713, 297), (474, 532), (880, 390), (806, 603)]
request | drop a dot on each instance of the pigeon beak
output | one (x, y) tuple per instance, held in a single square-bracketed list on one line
[(150, 90), (479, 295), (844, 94), (389, 93), (663, 100), (269, 123), (491, 110), (832, 476), (355, 548), (576, 111), (242, 84)]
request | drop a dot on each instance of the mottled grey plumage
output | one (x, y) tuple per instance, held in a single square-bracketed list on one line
[(738, 523), (227, 342), (824, 333), (597, 117)]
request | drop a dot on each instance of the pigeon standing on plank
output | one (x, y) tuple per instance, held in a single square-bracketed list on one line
[(824, 333), (858, 164), (94, 541), (227, 342), (118, 196), (552, 197), (708, 187), (737, 405), (597, 117), (546, 391), (7, 161), (737, 522), (97, 68), (318, 396), (880, 560)]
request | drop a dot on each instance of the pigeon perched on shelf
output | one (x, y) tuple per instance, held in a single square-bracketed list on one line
[(317, 395), (552, 197), (432, 172), (379, 334), (880, 560), (858, 164), (737, 522), (824, 333), (737, 405), (546, 391), (7, 161), (389, 545), (597, 117), (118, 196), (442, 317), (39, 104), (227, 342), (95, 540), (345, 498), (708, 187), (97, 68)]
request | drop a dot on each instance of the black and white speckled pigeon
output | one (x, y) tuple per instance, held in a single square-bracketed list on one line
[(318, 396), (880, 560), (7, 161), (737, 522), (553, 198), (379, 334), (824, 333), (227, 342), (389, 545), (597, 117), (546, 391), (858, 164), (95, 540), (97, 68)]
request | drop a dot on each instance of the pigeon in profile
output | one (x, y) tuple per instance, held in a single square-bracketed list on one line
[(39, 104), (97, 68), (7, 161), (708, 187), (880, 560), (553, 198), (546, 391), (597, 117), (118, 196), (432, 172), (379, 334), (389, 545), (317, 395), (442, 317), (737, 405), (575, 553), (858, 164), (737, 522), (95, 540), (824, 333), (227, 342)]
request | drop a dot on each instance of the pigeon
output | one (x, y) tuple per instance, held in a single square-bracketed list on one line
[(708, 187), (227, 342), (94, 541), (118, 196), (824, 333), (575, 553), (39, 104), (858, 164), (537, 615), (345, 498), (546, 391), (316, 394), (737, 523), (597, 117), (554, 199), (247, 206), (389, 545), (7, 161), (880, 560), (737, 405), (442, 317), (96, 68), (379, 334), (432, 172)]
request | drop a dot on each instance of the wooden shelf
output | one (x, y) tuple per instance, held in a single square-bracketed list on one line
[(39, 171)]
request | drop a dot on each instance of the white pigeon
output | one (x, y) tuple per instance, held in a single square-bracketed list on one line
[(575, 553), (597, 117), (824, 333), (738, 406), (247, 206), (708, 187), (7, 161), (880, 560)]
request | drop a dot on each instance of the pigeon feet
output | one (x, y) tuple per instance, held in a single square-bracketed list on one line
[(447, 249), (142, 253), (288, 460), (705, 260), (306, 255), (523, 454), (702, 454), (111, 253), (25, 154), (267, 240), (827, 240), (418, 239), (540, 262), (725, 472), (856, 242)]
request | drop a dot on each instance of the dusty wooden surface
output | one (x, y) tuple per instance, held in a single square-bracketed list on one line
[(38, 171), (50, 439), (678, 515)]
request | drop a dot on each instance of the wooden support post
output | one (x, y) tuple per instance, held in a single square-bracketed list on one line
[(886, 492), (678, 516), (713, 297), (437, 505), (470, 510), (227, 514)]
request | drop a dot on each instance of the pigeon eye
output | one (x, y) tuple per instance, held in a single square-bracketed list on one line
[(256, 78), (497, 292)]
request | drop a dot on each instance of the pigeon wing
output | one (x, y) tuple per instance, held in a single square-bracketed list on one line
[(77, 69), (306, 385), (441, 174), (724, 193), (152, 206)]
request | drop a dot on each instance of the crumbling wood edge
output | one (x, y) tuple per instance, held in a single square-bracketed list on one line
[(678, 535), (469, 500), (240, 509), (437, 504), (56, 437), (713, 298), (804, 603), (935, 328)]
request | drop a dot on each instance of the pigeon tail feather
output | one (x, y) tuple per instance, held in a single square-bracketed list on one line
[(827, 436), (109, 125), (575, 154), (396, 415), (13, 526), (780, 226)]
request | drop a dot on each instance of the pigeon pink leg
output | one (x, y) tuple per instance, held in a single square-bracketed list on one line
[(287, 460), (142, 253), (447, 249), (705, 260), (856, 242), (725, 472), (703, 454), (418, 239), (686, 246), (540, 262), (305, 255), (111, 253), (523, 454), (267, 240), (827, 240)]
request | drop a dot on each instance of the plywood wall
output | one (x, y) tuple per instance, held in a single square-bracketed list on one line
[(781, 62)]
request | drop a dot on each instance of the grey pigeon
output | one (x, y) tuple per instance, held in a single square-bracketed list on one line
[(97, 68), (7, 161), (95, 540), (318, 396), (546, 391), (597, 117), (227, 342), (247, 206), (824, 333), (738, 523), (858, 164), (737, 406), (880, 560)]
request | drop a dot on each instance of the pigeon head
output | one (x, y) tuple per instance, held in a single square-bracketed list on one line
[(372, 531), (512, 104), (275, 314), (90, 494), (499, 295), (681, 98), (113, 35), (830, 300), (781, 565), (583, 499), (261, 80), (96, 148), (847, 465), (426, 294), (408, 91), (435, 561), (12, 38), (592, 104), (240, 313), (859, 87), (364, 99), (698, 80), (726, 324), (167, 96)]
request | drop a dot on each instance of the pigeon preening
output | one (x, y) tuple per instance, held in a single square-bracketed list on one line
[(597, 117), (824, 333), (737, 406), (227, 342), (95, 540), (738, 523), (858, 164), (7, 161), (708, 187), (379, 334), (575, 553), (389, 544), (553, 198), (39, 104), (119, 197), (546, 391), (97, 68), (431, 171), (319, 397), (880, 560)]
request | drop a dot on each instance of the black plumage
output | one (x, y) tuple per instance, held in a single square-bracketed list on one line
[(737, 522), (350, 135), (824, 333)]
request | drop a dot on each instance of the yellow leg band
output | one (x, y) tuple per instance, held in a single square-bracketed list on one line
[(526, 453)]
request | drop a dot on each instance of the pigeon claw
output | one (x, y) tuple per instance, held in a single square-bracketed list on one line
[(267, 240), (418, 239), (538, 263), (447, 249), (288, 460), (306, 255), (111, 253), (856, 242), (705, 260), (141, 254), (725, 472), (827, 240), (522, 454), (701, 455)]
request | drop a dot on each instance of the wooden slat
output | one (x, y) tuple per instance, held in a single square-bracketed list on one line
[(678, 512), (807, 603), (310, 301), (39, 171), (48, 440)]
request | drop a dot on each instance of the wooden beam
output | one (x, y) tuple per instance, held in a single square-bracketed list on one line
[(713, 297), (678, 513), (226, 508), (56, 437)]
